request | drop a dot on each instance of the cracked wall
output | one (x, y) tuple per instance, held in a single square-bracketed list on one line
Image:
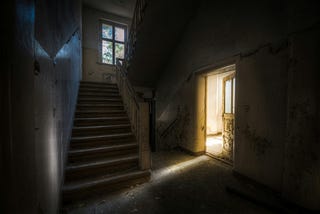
[(302, 161), (276, 133)]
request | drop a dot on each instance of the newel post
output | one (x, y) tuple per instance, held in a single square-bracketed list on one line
[(144, 147)]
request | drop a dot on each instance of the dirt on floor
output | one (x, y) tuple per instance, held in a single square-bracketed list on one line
[(180, 183)]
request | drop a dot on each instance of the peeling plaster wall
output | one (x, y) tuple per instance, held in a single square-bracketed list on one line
[(42, 87), (93, 69), (260, 40), (175, 126), (301, 181), (261, 116), (211, 40)]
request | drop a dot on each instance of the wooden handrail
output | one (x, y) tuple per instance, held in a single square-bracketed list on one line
[(138, 113), (121, 71), (137, 110), (136, 21)]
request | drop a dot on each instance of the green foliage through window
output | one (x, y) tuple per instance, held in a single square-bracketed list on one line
[(112, 42)]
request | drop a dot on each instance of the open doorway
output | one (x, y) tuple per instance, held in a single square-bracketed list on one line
[(220, 110)]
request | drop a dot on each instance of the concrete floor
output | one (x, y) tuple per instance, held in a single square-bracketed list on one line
[(180, 183)]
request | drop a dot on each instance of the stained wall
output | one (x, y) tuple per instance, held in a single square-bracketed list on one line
[(93, 69), (269, 42), (41, 91)]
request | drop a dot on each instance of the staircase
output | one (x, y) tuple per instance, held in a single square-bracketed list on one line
[(104, 153)]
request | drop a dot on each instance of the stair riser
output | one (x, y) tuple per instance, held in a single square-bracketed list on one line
[(99, 131), (93, 172), (98, 190), (100, 122), (98, 90), (104, 139), (100, 114), (97, 144), (88, 101), (85, 95), (93, 144), (98, 94), (102, 85), (99, 108), (84, 157)]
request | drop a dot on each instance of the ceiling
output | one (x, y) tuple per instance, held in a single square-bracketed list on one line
[(123, 8)]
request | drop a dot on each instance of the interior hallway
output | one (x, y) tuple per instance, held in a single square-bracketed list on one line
[(156, 56), (172, 189)]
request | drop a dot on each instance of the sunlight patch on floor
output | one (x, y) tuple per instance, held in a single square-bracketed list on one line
[(214, 144)]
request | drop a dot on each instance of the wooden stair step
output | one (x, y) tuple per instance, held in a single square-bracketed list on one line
[(98, 87), (92, 106), (85, 121), (99, 95), (98, 104), (95, 141), (98, 83), (100, 99), (91, 130), (94, 86), (101, 137), (106, 162), (97, 92), (102, 149), (83, 155), (100, 113), (84, 189), (82, 170)]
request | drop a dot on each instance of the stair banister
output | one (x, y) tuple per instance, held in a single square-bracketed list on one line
[(138, 112)]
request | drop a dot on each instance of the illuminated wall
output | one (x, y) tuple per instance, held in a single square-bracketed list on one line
[(42, 85)]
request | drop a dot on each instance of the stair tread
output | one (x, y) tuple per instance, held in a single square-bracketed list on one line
[(99, 104), (99, 91), (98, 83), (102, 162), (100, 127), (100, 111), (101, 136), (100, 180), (102, 148), (94, 98), (102, 93), (101, 118)]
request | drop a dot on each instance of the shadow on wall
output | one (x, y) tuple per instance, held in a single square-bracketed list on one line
[(169, 135)]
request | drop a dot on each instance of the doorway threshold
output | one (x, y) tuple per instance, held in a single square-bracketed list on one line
[(219, 159)]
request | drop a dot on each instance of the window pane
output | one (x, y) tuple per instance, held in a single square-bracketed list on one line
[(227, 98), (119, 51), (119, 34), (106, 31), (107, 53)]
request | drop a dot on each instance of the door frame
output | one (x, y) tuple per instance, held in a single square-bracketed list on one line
[(202, 73)]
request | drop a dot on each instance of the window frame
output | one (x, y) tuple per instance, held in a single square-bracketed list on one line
[(113, 40)]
